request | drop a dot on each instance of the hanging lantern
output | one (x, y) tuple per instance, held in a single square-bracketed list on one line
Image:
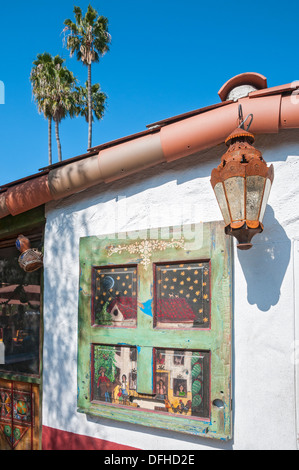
[(242, 184), (30, 259)]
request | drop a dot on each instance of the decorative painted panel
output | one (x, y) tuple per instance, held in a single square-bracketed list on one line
[(115, 296), (183, 295), (181, 380), (155, 329), (19, 422)]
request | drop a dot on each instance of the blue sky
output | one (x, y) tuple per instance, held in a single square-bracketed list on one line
[(167, 57)]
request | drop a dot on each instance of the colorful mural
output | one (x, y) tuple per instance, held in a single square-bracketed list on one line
[(181, 380), (16, 414), (183, 295), (115, 296)]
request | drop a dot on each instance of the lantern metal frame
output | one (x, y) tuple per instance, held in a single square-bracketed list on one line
[(242, 183)]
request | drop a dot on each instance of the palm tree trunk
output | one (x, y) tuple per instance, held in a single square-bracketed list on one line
[(58, 141), (50, 140), (89, 107)]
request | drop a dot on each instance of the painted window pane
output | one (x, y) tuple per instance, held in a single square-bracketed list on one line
[(183, 295), (182, 382), (115, 374), (19, 315), (181, 377), (115, 296)]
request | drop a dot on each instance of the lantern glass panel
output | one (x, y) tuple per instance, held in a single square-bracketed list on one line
[(221, 198), (265, 199), (254, 194), (235, 194)]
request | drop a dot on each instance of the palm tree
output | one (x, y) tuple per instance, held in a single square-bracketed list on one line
[(62, 98), (89, 38), (53, 86), (98, 99), (40, 78)]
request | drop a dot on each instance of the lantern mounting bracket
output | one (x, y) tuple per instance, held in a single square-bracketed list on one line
[(242, 120)]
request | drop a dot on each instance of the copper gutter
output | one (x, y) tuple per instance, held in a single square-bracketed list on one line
[(165, 142)]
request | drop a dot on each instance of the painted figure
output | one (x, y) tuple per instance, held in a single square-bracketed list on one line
[(181, 391), (104, 384), (161, 390)]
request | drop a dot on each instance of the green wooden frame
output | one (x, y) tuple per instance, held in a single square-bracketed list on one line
[(206, 242)]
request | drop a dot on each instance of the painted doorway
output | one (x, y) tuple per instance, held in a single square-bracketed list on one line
[(19, 417)]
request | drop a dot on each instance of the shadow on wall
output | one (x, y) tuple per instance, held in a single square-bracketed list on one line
[(265, 265)]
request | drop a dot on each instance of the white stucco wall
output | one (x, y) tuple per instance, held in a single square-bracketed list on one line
[(264, 370)]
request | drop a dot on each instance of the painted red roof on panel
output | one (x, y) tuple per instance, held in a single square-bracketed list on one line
[(174, 310), (127, 306)]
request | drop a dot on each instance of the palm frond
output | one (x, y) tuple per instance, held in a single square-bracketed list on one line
[(88, 36)]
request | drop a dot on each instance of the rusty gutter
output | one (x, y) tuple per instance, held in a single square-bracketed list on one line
[(164, 141), (180, 117), (67, 161), (4, 187), (123, 139)]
